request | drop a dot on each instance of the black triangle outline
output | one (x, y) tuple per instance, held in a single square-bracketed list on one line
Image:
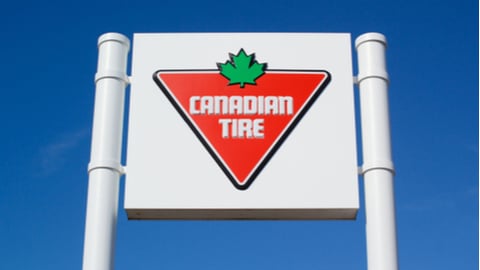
[(282, 137)]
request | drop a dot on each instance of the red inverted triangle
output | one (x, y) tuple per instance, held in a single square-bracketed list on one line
[(242, 139)]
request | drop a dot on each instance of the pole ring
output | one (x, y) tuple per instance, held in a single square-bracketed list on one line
[(378, 75), (106, 164), (114, 37), (112, 74), (377, 165)]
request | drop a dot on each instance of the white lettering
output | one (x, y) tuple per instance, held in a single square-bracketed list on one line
[(285, 102), (193, 101), (235, 105), (241, 105), (206, 105), (245, 128), (249, 105), (221, 104), (271, 105), (258, 128), (224, 123), (242, 128)]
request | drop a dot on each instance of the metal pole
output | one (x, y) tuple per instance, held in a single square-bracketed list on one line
[(377, 169), (105, 168)]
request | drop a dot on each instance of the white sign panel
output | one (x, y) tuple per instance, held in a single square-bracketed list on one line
[(241, 126)]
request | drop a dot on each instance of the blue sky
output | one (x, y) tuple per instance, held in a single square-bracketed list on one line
[(49, 58)]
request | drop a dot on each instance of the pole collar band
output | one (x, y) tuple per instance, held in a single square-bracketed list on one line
[(376, 37), (112, 74), (376, 74), (376, 165), (116, 37), (106, 164)]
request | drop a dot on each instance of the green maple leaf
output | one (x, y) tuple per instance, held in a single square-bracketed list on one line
[(242, 69)]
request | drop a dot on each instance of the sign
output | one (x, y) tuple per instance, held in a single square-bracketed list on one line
[(242, 123), (241, 126)]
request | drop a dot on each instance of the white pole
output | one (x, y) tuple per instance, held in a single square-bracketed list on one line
[(377, 168), (105, 168)]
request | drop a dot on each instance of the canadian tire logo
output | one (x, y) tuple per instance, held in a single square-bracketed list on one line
[(242, 112)]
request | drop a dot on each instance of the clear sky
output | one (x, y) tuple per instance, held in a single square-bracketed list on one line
[(49, 57)]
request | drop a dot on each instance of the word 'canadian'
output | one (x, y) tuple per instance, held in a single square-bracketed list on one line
[(241, 105)]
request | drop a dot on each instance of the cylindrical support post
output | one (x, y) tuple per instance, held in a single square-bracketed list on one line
[(377, 168), (105, 168)]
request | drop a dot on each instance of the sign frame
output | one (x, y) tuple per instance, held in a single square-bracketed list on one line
[(330, 202)]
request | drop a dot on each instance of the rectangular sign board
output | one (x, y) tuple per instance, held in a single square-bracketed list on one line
[(241, 126)]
